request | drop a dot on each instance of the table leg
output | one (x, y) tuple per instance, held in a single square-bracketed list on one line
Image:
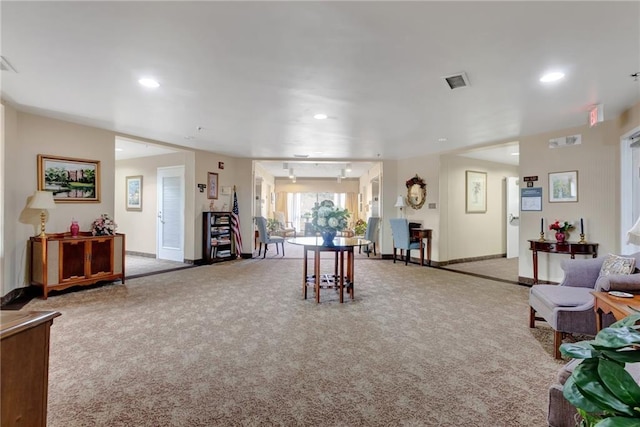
[(535, 266), (304, 274), (421, 251), (429, 251), (316, 268), (598, 311), (341, 276), (350, 270)]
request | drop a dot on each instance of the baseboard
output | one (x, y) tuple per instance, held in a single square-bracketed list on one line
[(148, 255), (477, 258)]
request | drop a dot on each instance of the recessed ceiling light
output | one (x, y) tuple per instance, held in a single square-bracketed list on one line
[(119, 149), (147, 82), (320, 116), (551, 77), (301, 156), (189, 137), (442, 139), (515, 154)]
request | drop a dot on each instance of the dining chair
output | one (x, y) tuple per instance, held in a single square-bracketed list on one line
[(285, 228), (402, 240), (264, 237), (371, 234)]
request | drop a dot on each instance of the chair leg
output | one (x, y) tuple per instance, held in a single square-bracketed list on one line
[(374, 249), (283, 249), (557, 340), (266, 247), (406, 260), (260, 249), (532, 317), (278, 250), (394, 255)]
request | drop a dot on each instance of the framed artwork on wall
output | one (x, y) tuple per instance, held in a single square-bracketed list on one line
[(69, 179), (476, 192), (134, 193), (563, 186), (213, 185)]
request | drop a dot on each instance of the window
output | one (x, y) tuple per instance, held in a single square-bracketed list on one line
[(299, 204)]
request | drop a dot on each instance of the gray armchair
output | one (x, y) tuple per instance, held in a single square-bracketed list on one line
[(371, 233), (568, 307), (264, 237), (402, 239)]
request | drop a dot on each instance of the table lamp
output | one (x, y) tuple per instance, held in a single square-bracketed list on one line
[(42, 200), (400, 204)]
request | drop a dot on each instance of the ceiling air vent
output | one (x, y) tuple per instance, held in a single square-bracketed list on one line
[(457, 81), (5, 66)]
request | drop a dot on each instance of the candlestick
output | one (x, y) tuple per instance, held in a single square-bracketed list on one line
[(581, 226), (582, 241), (541, 239), (541, 225)]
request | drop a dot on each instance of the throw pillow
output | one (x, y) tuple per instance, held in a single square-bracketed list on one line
[(614, 264)]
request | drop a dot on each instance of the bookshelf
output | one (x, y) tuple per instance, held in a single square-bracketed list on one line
[(217, 237)]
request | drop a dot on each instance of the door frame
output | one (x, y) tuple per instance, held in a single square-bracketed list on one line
[(626, 188), (181, 169)]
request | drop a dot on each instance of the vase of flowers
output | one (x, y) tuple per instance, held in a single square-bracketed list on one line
[(561, 228), (103, 226), (328, 220)]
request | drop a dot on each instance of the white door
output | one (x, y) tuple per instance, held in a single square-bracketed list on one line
[(513, 216), (170, 225)]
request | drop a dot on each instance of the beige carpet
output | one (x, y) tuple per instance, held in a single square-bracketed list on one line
[(234, 344)]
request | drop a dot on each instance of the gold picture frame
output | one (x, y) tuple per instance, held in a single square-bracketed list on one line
[(563, 187), (70, 180)]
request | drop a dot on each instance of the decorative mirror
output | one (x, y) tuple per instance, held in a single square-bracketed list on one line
[(416, 192)]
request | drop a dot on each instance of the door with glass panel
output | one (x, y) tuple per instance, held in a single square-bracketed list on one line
[(170, 216)]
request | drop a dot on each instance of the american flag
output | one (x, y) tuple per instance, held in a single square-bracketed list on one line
[(235, 224)]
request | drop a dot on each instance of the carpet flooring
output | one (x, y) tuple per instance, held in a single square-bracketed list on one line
[(234, 344)]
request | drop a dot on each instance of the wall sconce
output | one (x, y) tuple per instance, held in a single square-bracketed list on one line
[(201, 187), (42, 200)]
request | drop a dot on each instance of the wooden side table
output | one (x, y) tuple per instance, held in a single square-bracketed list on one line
[(619, 307), (553, 247), (24, 363)]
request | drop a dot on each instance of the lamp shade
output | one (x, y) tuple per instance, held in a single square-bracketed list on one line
[(400, 202), (633, 235), (42, 200)]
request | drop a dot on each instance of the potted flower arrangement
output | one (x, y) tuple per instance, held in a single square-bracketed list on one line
[(328, 220), (103, 226), (360, 227), (561, 228)]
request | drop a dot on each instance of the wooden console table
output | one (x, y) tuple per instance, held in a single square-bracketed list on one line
[(553, 247), (422, 234)]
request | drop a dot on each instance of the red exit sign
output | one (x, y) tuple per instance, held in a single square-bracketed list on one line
[(596, 115)]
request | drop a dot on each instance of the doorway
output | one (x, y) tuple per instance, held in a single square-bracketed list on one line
[(170, 221)]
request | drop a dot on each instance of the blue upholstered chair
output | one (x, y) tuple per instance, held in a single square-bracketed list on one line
[(402, 239), (264, 237), (371, 233)]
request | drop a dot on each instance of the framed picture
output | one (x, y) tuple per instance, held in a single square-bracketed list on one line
[(69, 179), (213, 185), (476, 192), (563, 186), (134, 193)]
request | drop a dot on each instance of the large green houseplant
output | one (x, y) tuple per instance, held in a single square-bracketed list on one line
[(603, 391)]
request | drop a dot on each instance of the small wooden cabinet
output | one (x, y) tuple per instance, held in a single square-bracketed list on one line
[(217, 237), (60, 261), (24, 362)]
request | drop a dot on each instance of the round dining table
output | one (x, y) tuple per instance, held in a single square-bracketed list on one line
[(340, 279)]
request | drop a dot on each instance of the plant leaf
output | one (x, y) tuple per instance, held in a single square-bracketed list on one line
[(617, 337), (578, 350), (572, 393), (619, 422), (619, 382), (622, 356), (588, 381), (630, 320)]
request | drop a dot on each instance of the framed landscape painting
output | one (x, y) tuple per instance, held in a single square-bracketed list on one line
[(134, 193), (563, 186), (69, 179)]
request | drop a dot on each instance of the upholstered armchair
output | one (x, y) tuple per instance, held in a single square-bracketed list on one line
[(568, 307), (371, 233), (402, 239), (285, 228), (265, 238)]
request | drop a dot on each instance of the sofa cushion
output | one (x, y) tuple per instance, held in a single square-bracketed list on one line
[(562, 296), (615, 264)]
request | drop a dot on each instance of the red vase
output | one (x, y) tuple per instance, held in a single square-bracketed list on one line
[(560, 236), (75, 228)]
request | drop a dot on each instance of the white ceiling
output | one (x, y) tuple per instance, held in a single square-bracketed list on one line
[(245, 78)]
